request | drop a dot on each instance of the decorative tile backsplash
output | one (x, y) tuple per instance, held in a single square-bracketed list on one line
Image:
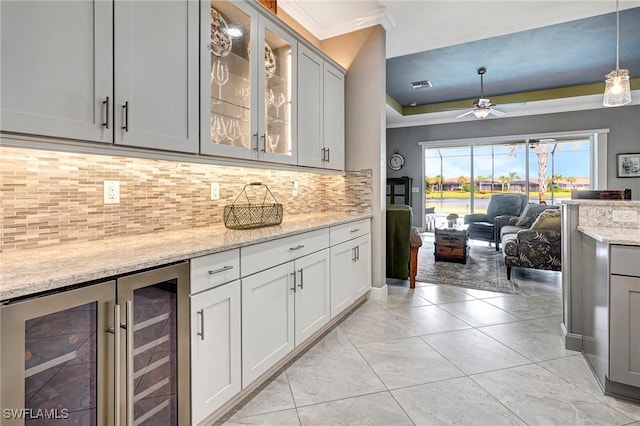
[(51, 197)]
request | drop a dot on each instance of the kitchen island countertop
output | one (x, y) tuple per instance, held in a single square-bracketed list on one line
[(33, 271), (624, 236)]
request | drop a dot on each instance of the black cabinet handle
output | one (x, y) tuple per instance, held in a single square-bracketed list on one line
[(125, 108), (106, 103)]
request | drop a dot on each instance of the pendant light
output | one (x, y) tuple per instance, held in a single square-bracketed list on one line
[(617, 91)]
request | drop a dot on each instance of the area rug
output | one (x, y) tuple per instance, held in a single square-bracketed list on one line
[(484, 269)]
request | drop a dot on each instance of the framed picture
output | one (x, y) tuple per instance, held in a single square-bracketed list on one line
[(629, 165)]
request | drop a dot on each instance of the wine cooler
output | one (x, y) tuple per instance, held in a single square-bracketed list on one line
[(114, 353)]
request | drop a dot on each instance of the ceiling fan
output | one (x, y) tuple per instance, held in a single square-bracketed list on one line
[(482, 106)]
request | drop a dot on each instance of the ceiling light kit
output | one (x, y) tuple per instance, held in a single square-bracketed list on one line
[(617, 91), (482, 106)]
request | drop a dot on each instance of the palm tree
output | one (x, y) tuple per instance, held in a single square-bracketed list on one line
[(437, 180), (461, 181), (571, 180), (512, 176), (542, 154), (479, 179), (502, 180)]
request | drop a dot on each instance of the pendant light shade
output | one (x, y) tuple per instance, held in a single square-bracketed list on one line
[(617, 91)]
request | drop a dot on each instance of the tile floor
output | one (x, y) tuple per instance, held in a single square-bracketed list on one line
[(443, 355)]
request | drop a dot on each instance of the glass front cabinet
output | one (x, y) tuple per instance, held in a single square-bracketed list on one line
[(248, 96)]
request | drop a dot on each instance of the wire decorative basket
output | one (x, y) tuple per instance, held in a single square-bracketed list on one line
[(253, 215)]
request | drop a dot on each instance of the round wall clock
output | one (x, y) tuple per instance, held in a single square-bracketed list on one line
[(396, 161)]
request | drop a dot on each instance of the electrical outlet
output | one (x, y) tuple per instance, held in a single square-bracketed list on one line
[(624, 216), (111, 192), (215, 191), (294, 188)]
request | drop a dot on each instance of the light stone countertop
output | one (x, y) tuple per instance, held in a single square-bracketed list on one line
[(624, 236), (605, 203), (26, 272)]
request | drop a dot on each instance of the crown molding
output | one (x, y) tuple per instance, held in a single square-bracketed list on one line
[(295, 9)]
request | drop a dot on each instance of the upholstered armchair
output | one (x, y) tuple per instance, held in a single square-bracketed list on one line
[(538, 247), (501, 208)]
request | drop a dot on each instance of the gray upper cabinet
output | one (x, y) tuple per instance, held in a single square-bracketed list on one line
[(334, 117), (123, 71), (310, 128), (56, 73), (156, 74), (320, 112), (248, 80)]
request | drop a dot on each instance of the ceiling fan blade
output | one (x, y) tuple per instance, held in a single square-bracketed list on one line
[(497, 112), (466, 113)]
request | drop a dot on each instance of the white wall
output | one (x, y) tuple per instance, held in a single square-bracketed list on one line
[(363, 53)]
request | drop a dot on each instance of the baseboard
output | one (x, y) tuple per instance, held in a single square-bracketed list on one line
[(379, 293), (572, 341)]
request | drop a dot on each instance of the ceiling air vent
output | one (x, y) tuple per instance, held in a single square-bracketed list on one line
[(421, 84)]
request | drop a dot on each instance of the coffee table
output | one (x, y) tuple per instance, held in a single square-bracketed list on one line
[(452, 244)]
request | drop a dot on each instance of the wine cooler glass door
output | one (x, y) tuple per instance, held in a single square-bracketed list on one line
[(153, 307), (56, 354)]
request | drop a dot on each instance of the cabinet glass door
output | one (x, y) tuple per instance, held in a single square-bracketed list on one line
[(276, 110), (228, 39)]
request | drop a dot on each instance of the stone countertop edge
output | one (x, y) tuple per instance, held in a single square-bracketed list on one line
[(623, 236), (607, 203), (32, 271)]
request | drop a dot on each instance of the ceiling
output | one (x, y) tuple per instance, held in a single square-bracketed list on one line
[(527, 47)]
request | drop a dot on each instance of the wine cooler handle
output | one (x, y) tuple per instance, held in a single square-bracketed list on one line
[(129, 366), (116, 364)]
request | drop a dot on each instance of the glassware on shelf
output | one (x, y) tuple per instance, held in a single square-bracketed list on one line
[(232, 130), (278, 102), (273, 140), (220, 76), (218, 131)]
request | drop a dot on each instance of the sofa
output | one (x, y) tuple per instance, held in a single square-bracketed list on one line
[(501, 208), (537, 245)]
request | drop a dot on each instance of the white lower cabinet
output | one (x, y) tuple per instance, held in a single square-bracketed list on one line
[(215, 348), (350, 272), (267, 320), (247, 316), (281, 308), (312, 303)]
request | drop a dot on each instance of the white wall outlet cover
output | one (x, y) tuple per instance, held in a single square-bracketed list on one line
[(215, 191), (295, 184), (111, 192), (415, 189), (624, 215)]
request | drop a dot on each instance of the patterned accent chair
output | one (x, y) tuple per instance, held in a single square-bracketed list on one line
[(501, 208), (538, 247)]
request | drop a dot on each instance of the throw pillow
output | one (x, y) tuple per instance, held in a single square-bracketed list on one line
[(530, 214), (548, 219)]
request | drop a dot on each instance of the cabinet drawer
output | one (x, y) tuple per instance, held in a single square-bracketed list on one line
[(624, 260), (214, 269), (262, 256), (349, 231)]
